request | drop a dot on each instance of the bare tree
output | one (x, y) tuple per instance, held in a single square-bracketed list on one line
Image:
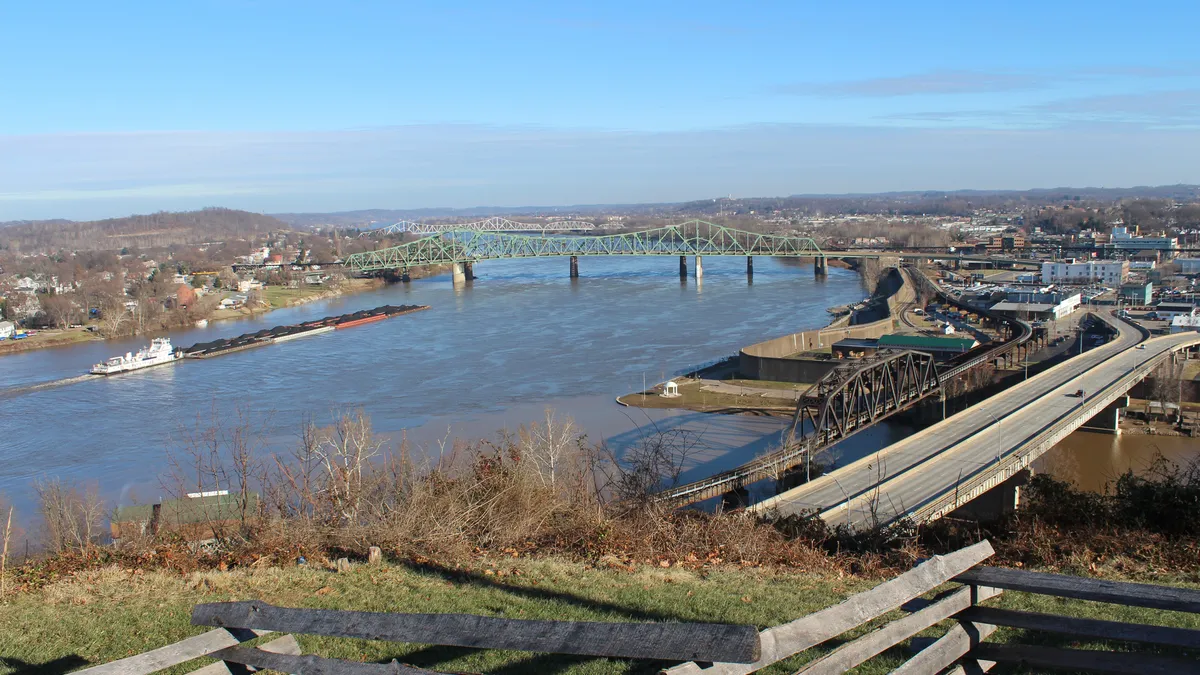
[(72, 517), (345, 452), (224, 452), (59, 309), (1168, 383), (549, 446)]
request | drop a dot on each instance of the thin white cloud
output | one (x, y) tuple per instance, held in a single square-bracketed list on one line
[(933, 82), (1146, 110), (96, 175), (951, 82)]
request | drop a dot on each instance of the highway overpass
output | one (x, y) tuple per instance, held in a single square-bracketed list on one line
[(945, 466)]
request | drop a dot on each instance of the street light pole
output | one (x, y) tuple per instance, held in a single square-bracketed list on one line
[(999, 438)]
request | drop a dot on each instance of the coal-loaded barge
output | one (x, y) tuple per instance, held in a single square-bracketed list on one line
[(262, 338)]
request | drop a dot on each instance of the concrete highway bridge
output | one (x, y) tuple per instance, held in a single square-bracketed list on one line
[(464, 248), (984, 448)]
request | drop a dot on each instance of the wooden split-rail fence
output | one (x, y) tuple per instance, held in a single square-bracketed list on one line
[(719, 649)]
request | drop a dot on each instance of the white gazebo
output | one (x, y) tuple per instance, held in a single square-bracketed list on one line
[(670, 389)]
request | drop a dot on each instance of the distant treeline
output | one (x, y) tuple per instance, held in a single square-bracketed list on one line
[(140, 231)]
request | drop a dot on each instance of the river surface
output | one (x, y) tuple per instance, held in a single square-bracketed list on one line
[(490, 356), (1093, 461)]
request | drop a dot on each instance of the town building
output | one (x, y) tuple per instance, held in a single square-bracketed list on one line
[(7, 328), (1188, 265), (1167, 311), (938, 346), (1110, 272), (1184, 323), (1137, 293), (1124, 242), (1035, 306), (1005, 241)]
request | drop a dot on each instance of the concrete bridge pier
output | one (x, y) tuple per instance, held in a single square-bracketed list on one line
[(683, 266), (699, 267), (574, 267), (1108, 420), (820, 266), (737, 498), (995, 503), (469, 271), (458, 274), (749, 265), (404, 276)]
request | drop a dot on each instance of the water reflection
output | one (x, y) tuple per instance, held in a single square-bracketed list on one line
[(1094, 460)]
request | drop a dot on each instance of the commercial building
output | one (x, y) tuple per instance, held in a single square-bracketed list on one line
[(1007, 241), (1167, 311), (1184, 323), (1188, 265), (7, 329), (1038, 306), (1109, 272), (1122, 241), (938, 346), (1137, 293)]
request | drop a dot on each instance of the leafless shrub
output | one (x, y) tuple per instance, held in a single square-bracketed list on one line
[(223, 452), (71, 517)]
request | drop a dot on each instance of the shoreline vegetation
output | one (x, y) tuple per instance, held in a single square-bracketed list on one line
[(273, 297)]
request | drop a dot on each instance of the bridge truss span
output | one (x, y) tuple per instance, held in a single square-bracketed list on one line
[(859, 394), (847, 399), (695, 237)]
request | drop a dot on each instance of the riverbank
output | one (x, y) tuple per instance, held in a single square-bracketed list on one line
[(276, 297), (279, 297), (45, 339)]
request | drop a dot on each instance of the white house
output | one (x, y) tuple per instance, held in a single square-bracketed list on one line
[(7, 328)]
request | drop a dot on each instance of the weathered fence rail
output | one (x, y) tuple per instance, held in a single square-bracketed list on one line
[(719, 649)]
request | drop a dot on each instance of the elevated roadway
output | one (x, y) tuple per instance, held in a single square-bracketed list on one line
[(946, 465)]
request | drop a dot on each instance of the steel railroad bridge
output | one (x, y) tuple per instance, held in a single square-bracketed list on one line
[(851, 398)]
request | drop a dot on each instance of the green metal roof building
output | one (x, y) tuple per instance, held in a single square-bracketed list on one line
[(923, 343)]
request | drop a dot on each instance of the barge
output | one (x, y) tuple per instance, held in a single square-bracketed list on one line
[(266, 336)]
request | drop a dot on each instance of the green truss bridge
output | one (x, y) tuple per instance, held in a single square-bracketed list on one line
[(699, 238)]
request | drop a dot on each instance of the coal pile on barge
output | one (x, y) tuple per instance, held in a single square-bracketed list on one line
[(262, 338)]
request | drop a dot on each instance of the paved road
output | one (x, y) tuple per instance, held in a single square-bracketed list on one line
[(928, 464)]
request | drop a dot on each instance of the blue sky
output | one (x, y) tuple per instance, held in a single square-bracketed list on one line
[(111, 108)]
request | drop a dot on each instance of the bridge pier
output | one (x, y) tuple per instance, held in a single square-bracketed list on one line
[(574, 267), (404, 276), (469, 271), (749, 265), (995, 503), (1108, 420), (683, 266), (737, 498), (699, 267), (458, 274), (820, 266)]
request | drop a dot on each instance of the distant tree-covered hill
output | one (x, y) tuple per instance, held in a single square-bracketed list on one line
[(142, 231)]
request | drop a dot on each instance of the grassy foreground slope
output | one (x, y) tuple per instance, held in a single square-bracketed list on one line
[(102, 615)]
